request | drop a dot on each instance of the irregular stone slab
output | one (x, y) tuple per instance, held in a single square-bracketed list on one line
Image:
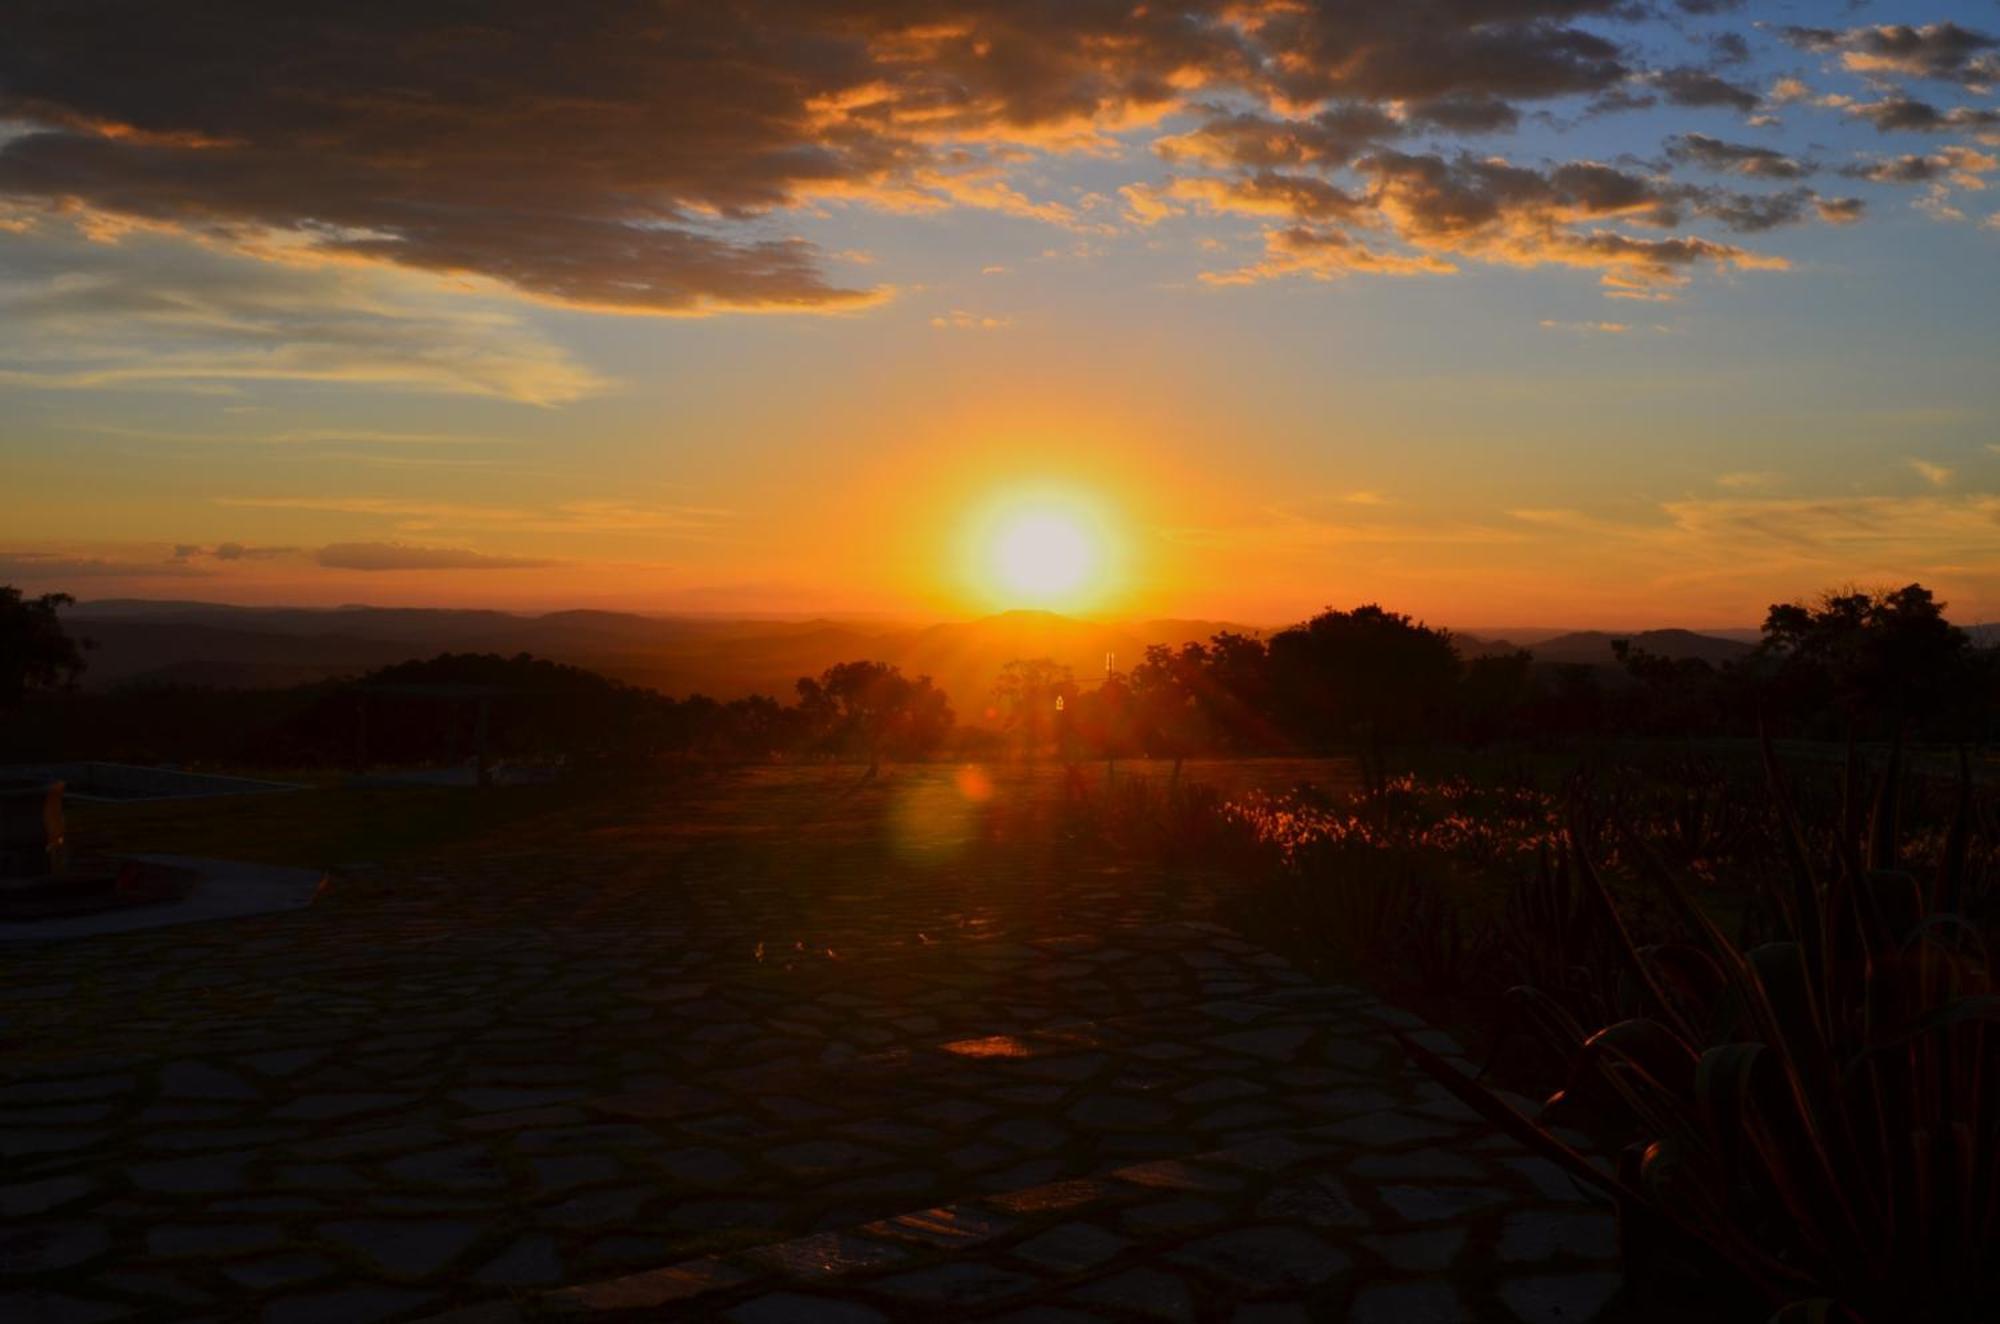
[(1168, 1216), (562, 1172), (47, 1247), (1408, 1303), (793, 1308), (1174, 1175), (66, 1089), (1119, 1112), (1386, 1129), (598, 1208), (530, 1260), (1256, 1258), (1431, 1251), (827, 1255), (207, 1174), (457, 1168), (1071, 1248), (650, 1291), (811, 1158), (351, 1305), (1537, 1234), (1550, 1180), (198, 1080), (332, 1107), (403, 1248), (1419, 1165), (25, 1199), (1277, 1043), (1143, 1292), (278, 1271), (34, 1306), (700, 1165), (1318, 1201), (210, 1241), (1572, 1298), (956, 1282), (1435, 1204), (489, 1099), (949, 1228)]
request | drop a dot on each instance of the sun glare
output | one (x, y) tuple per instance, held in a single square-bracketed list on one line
[(1042, 556), (1046, 552)]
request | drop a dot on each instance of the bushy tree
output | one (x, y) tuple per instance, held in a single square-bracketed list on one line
[(35, 651), (872, 709), (1366, 673), (1882, 660)]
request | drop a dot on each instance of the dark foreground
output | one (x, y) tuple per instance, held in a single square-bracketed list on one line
[(767, 1048)]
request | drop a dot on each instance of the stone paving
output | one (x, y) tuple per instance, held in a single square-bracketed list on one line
[(777, 1050)]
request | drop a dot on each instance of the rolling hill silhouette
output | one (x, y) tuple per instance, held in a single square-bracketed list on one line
[(208, 644)]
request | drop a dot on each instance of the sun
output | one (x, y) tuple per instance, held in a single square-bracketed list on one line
[(1043, 556), (1042, 551)]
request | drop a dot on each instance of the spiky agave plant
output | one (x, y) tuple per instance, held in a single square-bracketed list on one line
[(1820, 1113)]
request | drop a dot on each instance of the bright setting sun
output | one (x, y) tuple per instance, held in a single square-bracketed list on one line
[(1043, 556), (1049, 551)]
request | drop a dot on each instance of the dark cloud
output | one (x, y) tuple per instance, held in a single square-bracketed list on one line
[(1729, 47), (1331, 138), (1902, 114), (1688, 86), (1752, 213), (1736, 158), (1960, 164), (642, 157), (402, 556), (652, 158), (1944, 52), (1466, 114)]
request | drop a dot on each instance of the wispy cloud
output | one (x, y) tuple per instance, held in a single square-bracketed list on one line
[(386, 556)]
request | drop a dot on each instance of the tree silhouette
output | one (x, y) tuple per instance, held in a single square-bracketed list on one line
[(1880, 659), (1367, 674), (872, 709), (35, 652)]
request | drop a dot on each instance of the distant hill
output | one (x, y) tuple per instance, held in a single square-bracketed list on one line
[(1594, 647), (257, 647)]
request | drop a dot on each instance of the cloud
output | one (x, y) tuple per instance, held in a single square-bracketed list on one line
[(185, 553), (673, 159), (1595, 328), (648, 158), (43, 569), (148, 313), (1959, 165), (1736, 158), (1901, 114), (422, 515), (1688, 86), (372, 556), (1944, 52), (1937, 475), (958, 319)]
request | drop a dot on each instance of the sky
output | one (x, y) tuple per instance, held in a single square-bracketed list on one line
[(1610, 313)]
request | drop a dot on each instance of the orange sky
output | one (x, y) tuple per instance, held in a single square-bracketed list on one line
[(1629, 321)]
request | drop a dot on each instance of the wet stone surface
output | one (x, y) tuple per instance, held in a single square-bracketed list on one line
[(731, 1058)]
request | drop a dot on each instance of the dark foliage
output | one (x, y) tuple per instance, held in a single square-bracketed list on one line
[(35, 652)]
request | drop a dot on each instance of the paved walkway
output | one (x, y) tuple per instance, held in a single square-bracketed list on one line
[(780, 1052)]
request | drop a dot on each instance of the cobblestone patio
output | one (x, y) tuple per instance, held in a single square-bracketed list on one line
[(770, 1050)]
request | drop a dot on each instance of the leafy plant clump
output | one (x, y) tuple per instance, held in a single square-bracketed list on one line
[(1816, 1115)]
